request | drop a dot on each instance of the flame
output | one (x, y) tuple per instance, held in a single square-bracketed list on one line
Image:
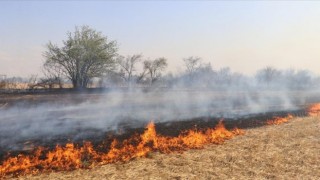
[(279, 120), (71, 157), (314, 110)]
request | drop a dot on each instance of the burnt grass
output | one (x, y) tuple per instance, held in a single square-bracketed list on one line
[(126, 129), (102, 140)]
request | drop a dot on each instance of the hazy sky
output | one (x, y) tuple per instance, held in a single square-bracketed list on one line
[(244, 35)]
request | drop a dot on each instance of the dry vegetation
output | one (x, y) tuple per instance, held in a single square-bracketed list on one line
[(287, 151)]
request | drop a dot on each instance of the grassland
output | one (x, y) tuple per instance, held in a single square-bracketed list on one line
[(287, 151)]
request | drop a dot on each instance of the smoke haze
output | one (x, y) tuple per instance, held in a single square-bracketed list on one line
[(203, 93), (135, 108)]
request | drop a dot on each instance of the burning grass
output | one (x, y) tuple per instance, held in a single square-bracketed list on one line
[(70, 156), (288, 151), (314, 110), (279, 120)]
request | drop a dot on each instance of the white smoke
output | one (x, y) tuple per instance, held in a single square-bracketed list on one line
[(135, 108)]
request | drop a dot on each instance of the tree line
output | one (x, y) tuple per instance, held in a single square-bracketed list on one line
[(87, 55)]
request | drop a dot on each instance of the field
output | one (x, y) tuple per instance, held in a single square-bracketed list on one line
[(287, 151)]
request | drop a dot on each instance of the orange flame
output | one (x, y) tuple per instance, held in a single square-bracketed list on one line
[(71, 157), (314, 110), (279, 120)]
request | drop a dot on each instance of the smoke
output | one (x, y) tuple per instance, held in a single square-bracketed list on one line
[(206, 94)]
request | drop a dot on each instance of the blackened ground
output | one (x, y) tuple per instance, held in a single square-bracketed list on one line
[(98, 137), (15, 142)]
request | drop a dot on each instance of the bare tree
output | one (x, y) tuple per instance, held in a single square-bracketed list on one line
[(268, 75), (142, 75), (53, 75), (86, 54), (192, 64), (33, 79), (128, 66), (154, 68)]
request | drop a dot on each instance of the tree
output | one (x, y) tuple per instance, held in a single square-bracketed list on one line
[(268, 75), (154, 68), (223, 76), (33, 80), (84, 55), (298, 80), (53, 75), (127, 66), (192, 64)]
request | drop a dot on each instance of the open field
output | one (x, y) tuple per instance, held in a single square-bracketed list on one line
[(206, 90), (286, 151)]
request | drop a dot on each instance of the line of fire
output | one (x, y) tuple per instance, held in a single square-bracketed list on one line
[(176, 137)]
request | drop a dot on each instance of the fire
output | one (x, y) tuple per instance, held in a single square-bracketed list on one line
[(314, 110), (71, 157), (279, 120)]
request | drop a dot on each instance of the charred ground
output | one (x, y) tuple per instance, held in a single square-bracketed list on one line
[(126, 127), (98, 137), (287, 151)]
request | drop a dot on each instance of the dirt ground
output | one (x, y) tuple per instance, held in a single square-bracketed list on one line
[(287, 151)]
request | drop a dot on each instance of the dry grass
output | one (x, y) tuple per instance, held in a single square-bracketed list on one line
[(287, 151)]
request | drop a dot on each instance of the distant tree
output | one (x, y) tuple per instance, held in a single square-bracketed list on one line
[(84, 55), (223, 76), (33, 80), (303, 79), (268, 75), (201, 77), (53, 75), (192, 64), (112, 78), (154, 68), (128, 66), (142, 75), (298, 80)]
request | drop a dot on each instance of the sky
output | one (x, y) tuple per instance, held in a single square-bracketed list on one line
[(243, 35)]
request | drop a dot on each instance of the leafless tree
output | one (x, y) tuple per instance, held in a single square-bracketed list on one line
[(154, 68), (32, 81), (128, 66), (192, 64), (142, 75), (53, 75), (268, 74)]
